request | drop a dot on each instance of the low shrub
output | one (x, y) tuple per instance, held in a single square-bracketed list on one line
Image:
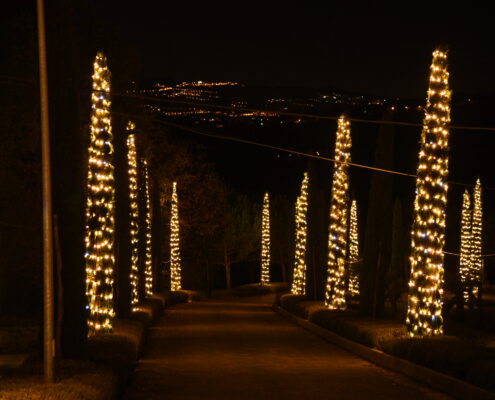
[(450, 355), (289, 302)]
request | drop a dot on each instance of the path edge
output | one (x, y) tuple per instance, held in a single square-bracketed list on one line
[(434, 379)]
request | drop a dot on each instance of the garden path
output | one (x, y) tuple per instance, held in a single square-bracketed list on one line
[(241, 349)]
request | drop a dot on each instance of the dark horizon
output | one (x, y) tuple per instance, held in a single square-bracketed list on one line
[(300, 46)]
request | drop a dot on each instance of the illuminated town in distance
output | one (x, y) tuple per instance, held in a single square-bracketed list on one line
[(253, 104)]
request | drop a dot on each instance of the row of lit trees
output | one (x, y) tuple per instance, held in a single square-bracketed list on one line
[(343, 247), (424, 314), (100, 213)]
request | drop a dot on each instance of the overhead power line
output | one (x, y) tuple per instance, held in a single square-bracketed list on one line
[(291, 151)]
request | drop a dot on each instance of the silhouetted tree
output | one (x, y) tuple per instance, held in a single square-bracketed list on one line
[(282, 238), (239, 236), (376, 246), (398, 271)]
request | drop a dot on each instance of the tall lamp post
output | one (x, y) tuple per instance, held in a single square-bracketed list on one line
[(48, 344)]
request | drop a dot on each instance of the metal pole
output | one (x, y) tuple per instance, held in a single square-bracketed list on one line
[(48, 343)]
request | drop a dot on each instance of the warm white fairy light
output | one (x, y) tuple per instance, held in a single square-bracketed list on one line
[(424, 314), (335, 289), (476, 240), (353, 256), (148, 265), (134, 213), (175, 263), (100, 259), (465, 253), (265, 241), (299, 275)]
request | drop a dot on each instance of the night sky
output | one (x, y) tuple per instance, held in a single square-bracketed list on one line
[(305, 46)]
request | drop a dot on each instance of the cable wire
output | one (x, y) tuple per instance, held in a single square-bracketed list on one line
[(283, 149)]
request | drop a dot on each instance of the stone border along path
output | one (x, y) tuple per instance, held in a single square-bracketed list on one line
[(242, 349)]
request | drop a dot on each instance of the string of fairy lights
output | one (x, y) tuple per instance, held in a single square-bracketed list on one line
[(148, 264), (100, 210), (265, 241), (337, 236), (465, 253), (134, 212), (476, 264), (353, 257), (299, 272), (471, 258), (424, 314), (99, 255), (175, 262)]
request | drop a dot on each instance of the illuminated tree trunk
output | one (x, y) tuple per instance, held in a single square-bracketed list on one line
[(148, 260), (353, 256), (100, 258), (175, 263), (465, 253), (265, 241), (299, 274), (424, 314), (134, 214), (476, 241), (335, 289)]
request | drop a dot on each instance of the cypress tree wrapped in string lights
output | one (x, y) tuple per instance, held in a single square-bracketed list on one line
[(148, 265), (353, 251), (335, 289), (465, 253), (100, 259), (299, 275), (424, 314), (175, 264), (476, 263), (265, 241), (134, 213)]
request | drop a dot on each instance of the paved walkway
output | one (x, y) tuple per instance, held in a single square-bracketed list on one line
[(243, 350)]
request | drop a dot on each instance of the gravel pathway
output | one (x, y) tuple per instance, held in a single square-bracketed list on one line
[(243, 350)]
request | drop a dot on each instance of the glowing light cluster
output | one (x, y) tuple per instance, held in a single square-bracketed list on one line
[(299, 275), (471, 259), (100, 259), (335, 289), (353, 256), (148, 265), (265, 241), (175, 264), (134, 214), (476, 240), (424, 314), (465, 253)]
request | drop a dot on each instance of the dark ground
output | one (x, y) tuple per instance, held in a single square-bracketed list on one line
[(241, 349)]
